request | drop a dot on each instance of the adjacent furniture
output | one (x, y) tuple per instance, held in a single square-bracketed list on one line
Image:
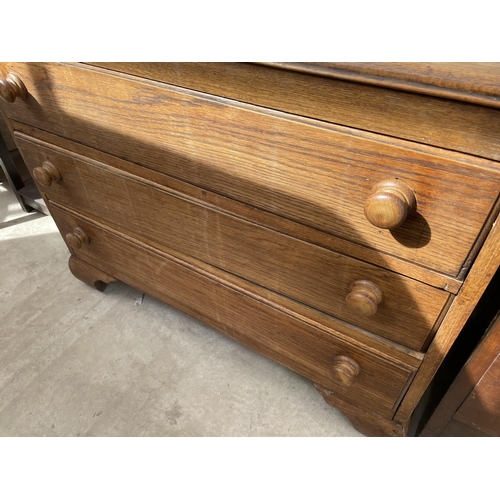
[(338, 218), (13, 167), (471, 407)]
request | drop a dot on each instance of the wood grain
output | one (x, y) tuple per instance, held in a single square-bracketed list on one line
[(358, 337), (304, 349), (477, 82), (312, 275), (342, 100), (303, 170), (244, 211)]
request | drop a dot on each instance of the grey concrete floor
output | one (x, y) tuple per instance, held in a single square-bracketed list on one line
[(78, 362)]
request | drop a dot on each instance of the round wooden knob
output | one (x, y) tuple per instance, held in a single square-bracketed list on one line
[(12, 87), (76, 239), (364, 298), (344, 370), (389, 204), (46, 174)]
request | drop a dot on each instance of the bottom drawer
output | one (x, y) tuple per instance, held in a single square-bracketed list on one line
[(358, 375)]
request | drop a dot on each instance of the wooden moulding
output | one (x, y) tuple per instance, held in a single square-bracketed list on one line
[(344, 98), (477, 83)]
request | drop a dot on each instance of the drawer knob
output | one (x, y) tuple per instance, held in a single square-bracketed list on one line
[(11, 87), (389, 203), (344, 370), (77, 239), (46, 174), (364, 298)]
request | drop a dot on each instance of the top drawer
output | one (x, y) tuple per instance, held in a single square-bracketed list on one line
[(307, 171)]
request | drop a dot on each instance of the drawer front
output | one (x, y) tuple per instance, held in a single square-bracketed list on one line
[(310, 274), (309, 351), (312, 173)]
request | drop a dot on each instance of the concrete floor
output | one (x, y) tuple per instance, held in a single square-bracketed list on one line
[(78, 362)]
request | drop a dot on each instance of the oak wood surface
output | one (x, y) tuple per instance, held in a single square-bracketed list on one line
[(309, 172), (481, 273), (245, 211), (425, 119), (312, 275), (356, 336), (305, 349), (477, 82)]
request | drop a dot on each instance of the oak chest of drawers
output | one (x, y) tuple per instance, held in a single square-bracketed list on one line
[(338, 218)]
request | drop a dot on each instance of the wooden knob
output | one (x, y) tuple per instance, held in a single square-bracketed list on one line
[(77, 239), (389, 204), (344, 370), (12, 87), (364, 298), (46, 174)]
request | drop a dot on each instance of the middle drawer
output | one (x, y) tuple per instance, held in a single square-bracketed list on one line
[(335, 284)]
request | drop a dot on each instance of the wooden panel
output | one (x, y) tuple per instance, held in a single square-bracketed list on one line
[(305, 349), (308, 273), (467, 81), (301, 170), (481, 409), (244, 211), (356, 336), (429, 120)]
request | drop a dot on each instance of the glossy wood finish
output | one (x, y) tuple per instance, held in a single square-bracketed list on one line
[(301, 347), (11, 88), (396, 112), (263, 158), (312, 275)]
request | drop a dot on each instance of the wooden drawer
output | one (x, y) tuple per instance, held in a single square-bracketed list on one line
[(316, 174), (297, 345), (308, 273)]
